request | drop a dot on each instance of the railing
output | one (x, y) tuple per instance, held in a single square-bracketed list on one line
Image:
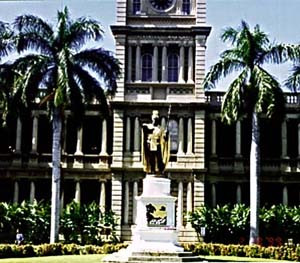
[(215, 98)]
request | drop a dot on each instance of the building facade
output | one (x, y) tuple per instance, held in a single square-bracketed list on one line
[(161, 46)]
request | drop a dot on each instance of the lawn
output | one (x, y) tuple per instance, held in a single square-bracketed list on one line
[(97, 259)]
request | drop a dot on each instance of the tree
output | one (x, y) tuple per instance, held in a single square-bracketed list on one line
[(56, 61), (253, 91)]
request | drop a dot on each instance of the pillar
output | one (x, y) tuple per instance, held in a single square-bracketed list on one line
[(104, 138), (129, 64), (163, 123), (138, 63), (191, 65), (16, 192), (180, 205), (285, 197), (213, 195), (238, 138), (32, 192), (190, 137), (137, 139), (134, 202), (181, 64), (79, 142), (102, 198), (34, 134), (284, 139), (238, 194), (164, 64), (77, 192), (128, 134), (189, 198), (18, 135), (155, 64), (126, 203), (299, 140), (180, 137), (213, 138)]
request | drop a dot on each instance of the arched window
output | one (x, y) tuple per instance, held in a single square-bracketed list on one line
[(173, 133), (147, 67), (173, 67), (186, 7), (136, 6)]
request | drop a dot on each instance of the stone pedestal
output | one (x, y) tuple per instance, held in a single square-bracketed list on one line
[(155, 231)]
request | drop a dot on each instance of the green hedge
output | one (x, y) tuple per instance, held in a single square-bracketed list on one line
[(230, 224), (8, 250), (81, 224), (291, 253)]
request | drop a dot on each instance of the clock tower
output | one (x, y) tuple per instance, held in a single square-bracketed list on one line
[(161, 47)]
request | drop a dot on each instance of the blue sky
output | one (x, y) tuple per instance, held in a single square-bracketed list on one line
[(279, 18)]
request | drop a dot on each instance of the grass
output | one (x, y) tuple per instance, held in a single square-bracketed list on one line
[(97, 259), (56, 259)]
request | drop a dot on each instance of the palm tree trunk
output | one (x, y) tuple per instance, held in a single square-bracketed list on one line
[(254, 180), (56, 174)]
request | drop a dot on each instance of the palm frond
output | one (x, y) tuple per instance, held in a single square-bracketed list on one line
[(293, 81), (223, 68), (82, 30), (270, 97), (232, 104), (91, 88), (103, 63), (6, 39)]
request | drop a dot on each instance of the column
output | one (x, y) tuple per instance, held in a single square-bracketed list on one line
[(191, 65), (213, 195), (155, 64), (102, 198), (16, 192), (32, 192), (34, 134), (285, 196), (104, 138), (18, 136), (164, 64), (126, 203), (79, 142), (137, 139), (134, 203), (238, 194), (128, 134), (77, 192), (163, 123), (238, 139), (299, 140), (190, 137), (129, 64), (181, 65), (180, 137), (213, 138), (180, 205), (189, 199), (138, 63), (62, 201), (284, 139)]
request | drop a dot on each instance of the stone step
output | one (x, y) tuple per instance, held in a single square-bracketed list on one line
[(163, 259)]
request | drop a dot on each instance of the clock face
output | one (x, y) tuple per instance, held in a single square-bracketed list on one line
[(161, 5)]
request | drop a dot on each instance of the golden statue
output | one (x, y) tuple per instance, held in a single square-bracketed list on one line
[(155, 146)]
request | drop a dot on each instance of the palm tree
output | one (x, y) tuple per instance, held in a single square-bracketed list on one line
[(53, 59), (254, 91), (6, 47)]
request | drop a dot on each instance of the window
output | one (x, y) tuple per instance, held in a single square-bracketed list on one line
[(186, 7), (136, 6), (147, 67), (173, 133), (173, 67)]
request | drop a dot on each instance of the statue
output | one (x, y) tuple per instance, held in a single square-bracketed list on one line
[(155, 146)]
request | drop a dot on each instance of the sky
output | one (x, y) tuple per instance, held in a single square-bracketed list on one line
[(278, 18)]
